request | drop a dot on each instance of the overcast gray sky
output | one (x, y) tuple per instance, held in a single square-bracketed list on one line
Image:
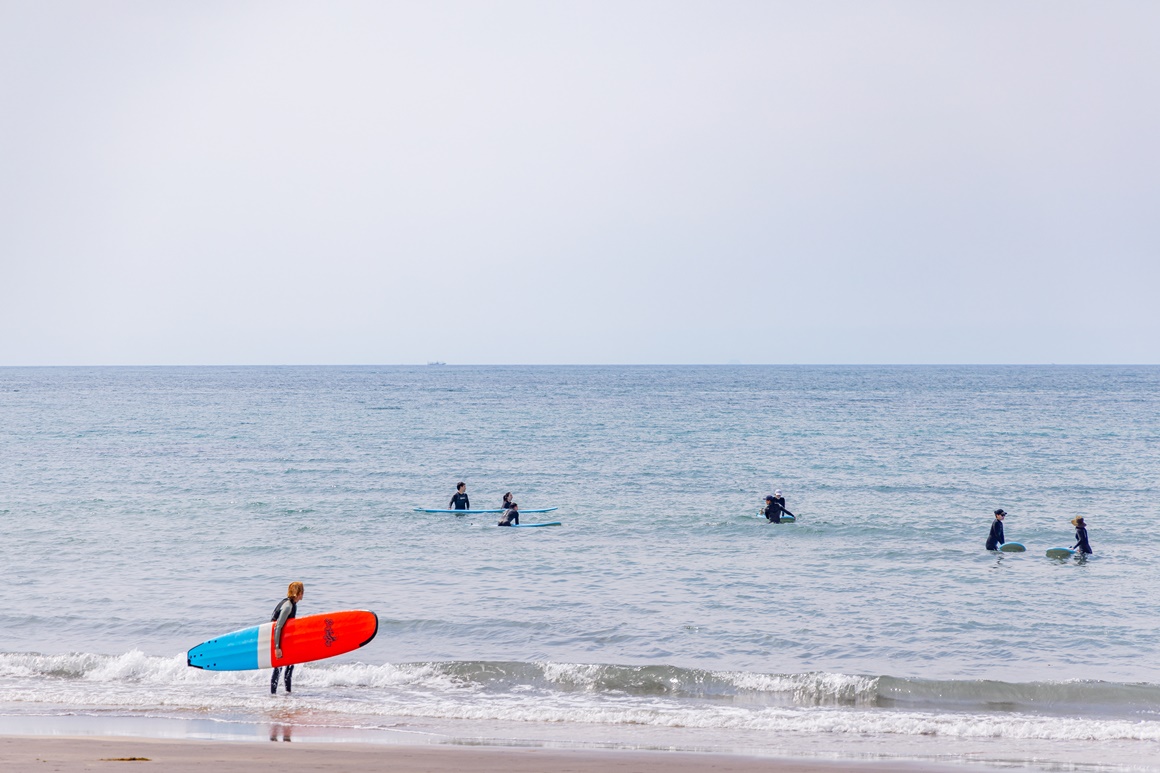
[(553, 182)]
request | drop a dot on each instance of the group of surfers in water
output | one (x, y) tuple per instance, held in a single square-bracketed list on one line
[(996, 537), (511, 510), (774, 510)]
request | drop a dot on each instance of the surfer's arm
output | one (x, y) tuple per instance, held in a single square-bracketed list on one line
[(283, 616)]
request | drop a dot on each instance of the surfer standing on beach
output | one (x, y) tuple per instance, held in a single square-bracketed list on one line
[(287, 609), (996, 538), (459, 500)]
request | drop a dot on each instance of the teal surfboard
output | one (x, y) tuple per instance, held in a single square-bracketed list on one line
[(1060, 553), (1013, 547), (533, 525), (480, 512)]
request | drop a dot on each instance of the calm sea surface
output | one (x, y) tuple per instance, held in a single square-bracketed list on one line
[(143, 511)]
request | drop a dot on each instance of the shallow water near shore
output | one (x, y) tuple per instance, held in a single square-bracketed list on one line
[(146, 510)]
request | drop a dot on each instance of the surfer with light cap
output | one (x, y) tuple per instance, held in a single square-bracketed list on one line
[(775, 507), (287, 609), (996, 538), (1081, 537)]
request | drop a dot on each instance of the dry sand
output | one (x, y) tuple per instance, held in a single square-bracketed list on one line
[(51, 753)]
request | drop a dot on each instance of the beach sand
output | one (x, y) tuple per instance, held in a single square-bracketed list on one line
[(51, 754)]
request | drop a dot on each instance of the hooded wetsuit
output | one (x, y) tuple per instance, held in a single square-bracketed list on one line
[(996, 539), (287, 609), (460, 502), (1081, 540)]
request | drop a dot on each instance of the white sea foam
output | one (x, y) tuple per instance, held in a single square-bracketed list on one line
[(354, 693)]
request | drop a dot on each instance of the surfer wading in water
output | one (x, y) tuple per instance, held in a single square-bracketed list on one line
[(459, 500), (511, 516), (775, 507), (1081, 538), (996, 538), (287, 609)]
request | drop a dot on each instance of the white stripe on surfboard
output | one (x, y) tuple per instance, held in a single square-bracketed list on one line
[(265, 632)]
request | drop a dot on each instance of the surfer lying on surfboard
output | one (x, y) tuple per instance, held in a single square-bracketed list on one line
[(287, 609)]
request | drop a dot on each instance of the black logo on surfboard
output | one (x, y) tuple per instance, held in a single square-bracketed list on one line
[(330, 637)]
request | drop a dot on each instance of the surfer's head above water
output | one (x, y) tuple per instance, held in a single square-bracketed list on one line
[(777, 493), (460, 486), (1000, 513), (769, 497)]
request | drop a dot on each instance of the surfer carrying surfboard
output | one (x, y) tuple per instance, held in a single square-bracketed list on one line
[(996, 537), (459, 500), (287, 609), (511, 516), (1081, 538)]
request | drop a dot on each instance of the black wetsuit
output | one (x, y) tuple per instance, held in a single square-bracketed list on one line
[(1081, 540), (274, 618), (460, 502), (775, 508), (996, 539), (772, 512), (510, 518)]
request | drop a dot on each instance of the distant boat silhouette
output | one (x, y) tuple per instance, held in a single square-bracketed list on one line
[(436, 363)]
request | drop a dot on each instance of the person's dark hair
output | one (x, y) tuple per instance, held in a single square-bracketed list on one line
[(515, 505), (507, 495), (460, 485)]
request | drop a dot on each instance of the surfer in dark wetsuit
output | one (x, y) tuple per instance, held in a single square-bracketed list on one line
[(775, 507), (459, 500), (996, 538), (1081, 538), (511, 516), (287, 609)]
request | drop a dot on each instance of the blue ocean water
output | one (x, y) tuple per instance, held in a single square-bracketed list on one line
[(147, 509)]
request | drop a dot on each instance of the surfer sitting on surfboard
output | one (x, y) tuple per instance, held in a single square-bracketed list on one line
[(996, 537), (459, 500), (511, 516), (287, 608), (1081, 538)]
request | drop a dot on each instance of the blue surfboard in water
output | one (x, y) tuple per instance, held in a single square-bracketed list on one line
[(479, 512), (532, 525), (1060, 553), (1013, 547)]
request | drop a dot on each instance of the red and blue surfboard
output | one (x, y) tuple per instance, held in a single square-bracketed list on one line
[(304, 639)]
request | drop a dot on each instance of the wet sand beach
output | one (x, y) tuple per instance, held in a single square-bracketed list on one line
[(67, 755)]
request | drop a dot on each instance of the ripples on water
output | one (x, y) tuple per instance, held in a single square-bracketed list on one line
[(148, 509)]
